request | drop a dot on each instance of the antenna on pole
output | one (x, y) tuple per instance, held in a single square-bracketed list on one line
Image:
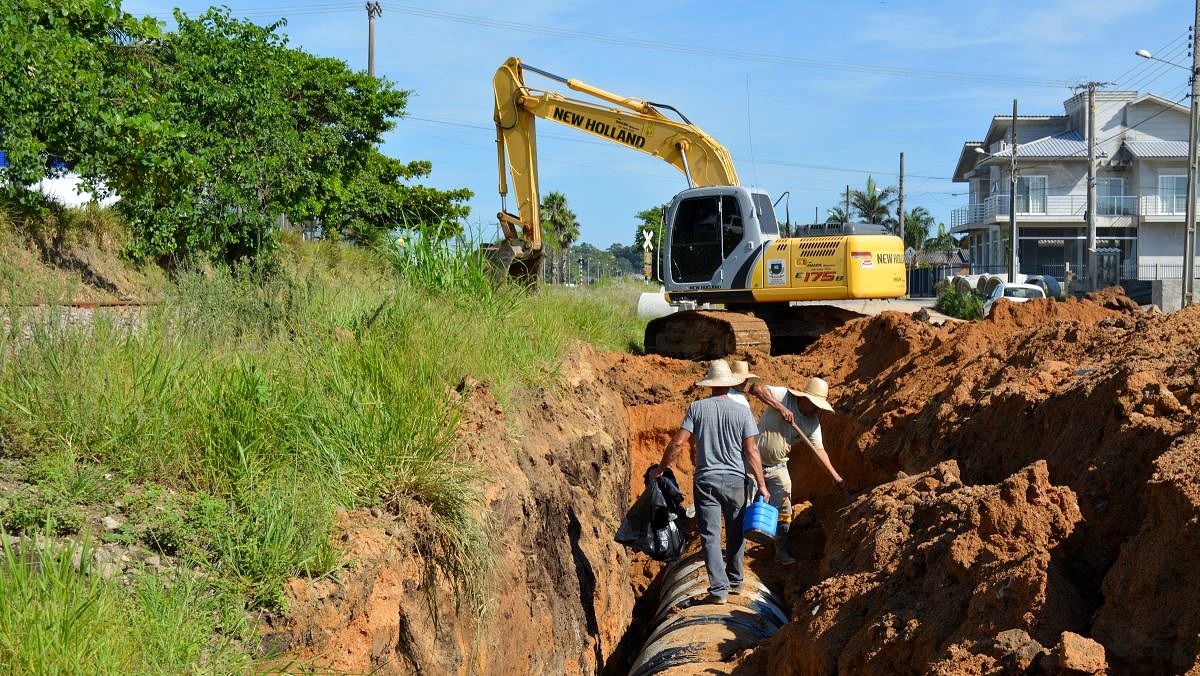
[(373, 10)]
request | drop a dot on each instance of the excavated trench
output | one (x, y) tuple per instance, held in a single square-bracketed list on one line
[(1024, 495)]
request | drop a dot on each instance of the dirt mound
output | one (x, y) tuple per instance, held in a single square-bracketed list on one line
[(1098, 393), (929, 570)]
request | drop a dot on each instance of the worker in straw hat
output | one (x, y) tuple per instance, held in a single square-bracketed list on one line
[(726, 447), (790, 420)]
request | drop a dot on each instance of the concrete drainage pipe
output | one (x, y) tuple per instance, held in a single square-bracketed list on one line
[(688, 632)]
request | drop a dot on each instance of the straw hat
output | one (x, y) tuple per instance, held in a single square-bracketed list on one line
[(742, 370), (720, 375), (815, 390)]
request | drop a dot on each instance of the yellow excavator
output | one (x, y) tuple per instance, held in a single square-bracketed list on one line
[(722, 242)]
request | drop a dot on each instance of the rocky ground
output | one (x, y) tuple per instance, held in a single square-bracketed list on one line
[(1025, 497)]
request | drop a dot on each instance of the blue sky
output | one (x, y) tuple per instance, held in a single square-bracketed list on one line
[(807, 96)]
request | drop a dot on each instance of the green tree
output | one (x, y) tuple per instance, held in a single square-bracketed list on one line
[(649, 219), (628, 258), (71, 88), (836, 215), (873, 204), (917, 223), (944, 241), (209, 133), (560, 229), (652, 220)]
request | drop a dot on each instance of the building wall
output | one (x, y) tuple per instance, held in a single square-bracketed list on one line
[(1154, 124), (1160, 243)]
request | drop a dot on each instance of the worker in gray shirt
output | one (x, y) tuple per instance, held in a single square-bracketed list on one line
[(725, 448)]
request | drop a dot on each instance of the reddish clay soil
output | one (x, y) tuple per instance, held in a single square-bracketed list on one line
[(1025, 493)]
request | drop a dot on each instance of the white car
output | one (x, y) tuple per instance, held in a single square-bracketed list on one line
[(1017, 293)]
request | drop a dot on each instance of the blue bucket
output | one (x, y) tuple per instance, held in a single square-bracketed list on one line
[(760, 521)]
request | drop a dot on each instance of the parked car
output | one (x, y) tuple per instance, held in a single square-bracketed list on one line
[(1017, 293)]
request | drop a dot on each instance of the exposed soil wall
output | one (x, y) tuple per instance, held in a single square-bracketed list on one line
[(562, 592)]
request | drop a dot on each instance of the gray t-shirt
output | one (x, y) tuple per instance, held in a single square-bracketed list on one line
[(720, 426)]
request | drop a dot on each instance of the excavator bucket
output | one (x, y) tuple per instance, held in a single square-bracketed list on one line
[(509, 261)]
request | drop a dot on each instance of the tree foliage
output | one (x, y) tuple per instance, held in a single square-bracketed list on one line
[(873, 204), (70, 67), (210, 133), (917, 223)]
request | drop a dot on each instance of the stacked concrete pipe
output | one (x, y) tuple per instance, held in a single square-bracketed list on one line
[(688, 634)]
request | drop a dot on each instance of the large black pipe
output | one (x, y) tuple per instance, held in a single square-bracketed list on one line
[(689, 632)]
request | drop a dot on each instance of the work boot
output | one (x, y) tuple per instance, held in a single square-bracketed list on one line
[(782, 554)]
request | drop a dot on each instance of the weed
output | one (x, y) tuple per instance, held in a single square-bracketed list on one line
[(57, 615), (960, 305), (30, 511)]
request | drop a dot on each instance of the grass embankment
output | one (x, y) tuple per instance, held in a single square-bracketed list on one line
[(226, 430)]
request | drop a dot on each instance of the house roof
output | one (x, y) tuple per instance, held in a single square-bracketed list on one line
[(1158, 149), (1151, 98), (1001, 126), (1065, 144), (952, 257), (966, 160)]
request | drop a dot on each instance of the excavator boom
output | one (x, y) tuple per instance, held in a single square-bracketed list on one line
[(633, 123)]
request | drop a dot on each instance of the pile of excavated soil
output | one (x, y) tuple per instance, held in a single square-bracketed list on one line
[(1047, 502)]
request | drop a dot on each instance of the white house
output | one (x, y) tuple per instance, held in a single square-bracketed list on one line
[(1141, 156)]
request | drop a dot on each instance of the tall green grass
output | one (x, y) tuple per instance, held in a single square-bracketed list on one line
[(272, 402), (58, 615)]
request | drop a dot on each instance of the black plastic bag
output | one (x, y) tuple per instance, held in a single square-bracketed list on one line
[(652, 524)]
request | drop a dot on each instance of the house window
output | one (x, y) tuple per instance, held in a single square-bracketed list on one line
[(1031, 194), (1172, 194), (1110, 197)]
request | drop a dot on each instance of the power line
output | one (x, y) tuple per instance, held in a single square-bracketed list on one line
[(738, 55), (1143, 65)]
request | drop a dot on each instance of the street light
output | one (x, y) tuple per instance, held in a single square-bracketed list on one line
[(1012, 206), (1189, 228)]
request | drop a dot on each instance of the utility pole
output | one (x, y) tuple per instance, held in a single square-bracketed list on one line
[(373, 10), (900, 206), (1189, 229), (847, 212), (1093, 275), (1012, 198)]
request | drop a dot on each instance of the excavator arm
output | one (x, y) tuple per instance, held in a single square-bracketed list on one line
[(634, 123)]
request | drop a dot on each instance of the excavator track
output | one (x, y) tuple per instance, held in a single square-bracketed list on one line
[(766, 329), (707, 334)]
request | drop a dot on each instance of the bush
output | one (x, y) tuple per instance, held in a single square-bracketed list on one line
[(960, 305)]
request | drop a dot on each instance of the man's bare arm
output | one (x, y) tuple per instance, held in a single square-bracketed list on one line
[(821, 455), (759, 390), (754, 460), (674, 448)]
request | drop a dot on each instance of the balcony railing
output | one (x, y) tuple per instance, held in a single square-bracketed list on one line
[(994, 209)]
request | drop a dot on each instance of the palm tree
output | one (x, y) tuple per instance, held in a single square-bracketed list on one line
[(836, 215), (917, 224), (873, 205), (560, 227)]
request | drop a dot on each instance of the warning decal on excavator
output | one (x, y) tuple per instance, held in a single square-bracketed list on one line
[(626, 136), (863, 258), (777, 272)]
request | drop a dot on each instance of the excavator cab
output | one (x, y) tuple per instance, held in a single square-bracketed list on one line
[(712, 237)]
